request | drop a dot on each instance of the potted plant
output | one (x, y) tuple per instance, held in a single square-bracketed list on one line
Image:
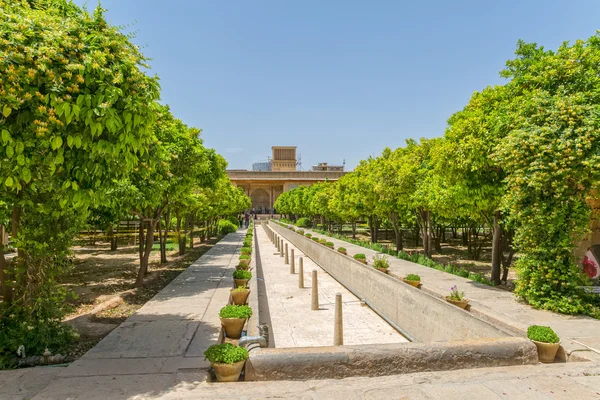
[(227, 360), (244, 259), (239, 295), (546, 341), (342, 250), (308, 235), (457, 298), (233, 319), (315, 239), (322, 241), (241, 277), (329, 244), (243, 266), (300, 231), (412, 279), (360, 257), (246, 250), (381, 263)]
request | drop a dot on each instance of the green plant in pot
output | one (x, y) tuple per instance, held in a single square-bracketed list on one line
[(244, 259), (246, 251), (329, 244), (308, 235), (243, 266), (241, 277), (239, 295), (233, 319), (315, 239), (546, 341), (322, 241), (457, 298), (227, 360), (413, 280), (300, 231), (342, 250), (360, 257), (381, 263)]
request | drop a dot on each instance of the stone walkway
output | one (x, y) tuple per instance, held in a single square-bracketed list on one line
[(294, 324), (490, 302)]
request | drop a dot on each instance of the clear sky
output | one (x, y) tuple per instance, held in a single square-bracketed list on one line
[(340, 79)]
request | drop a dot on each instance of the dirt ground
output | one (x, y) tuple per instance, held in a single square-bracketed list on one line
[(104, 284)]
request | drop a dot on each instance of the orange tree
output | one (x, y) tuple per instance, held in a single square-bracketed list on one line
[(75, 113), (551, 158)]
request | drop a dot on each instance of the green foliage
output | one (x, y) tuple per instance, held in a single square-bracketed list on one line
[(246, 250), (225, 226), (315, 239), (412, 277), (329, 244), (300, 231), (543, 334), (234, 220), (234, 311), (225, 353), (242, 274), (322, 241), (342, 250), (303, 223), (380, 261), (308, 235), (244, 257), (240, 289), (360, 256)]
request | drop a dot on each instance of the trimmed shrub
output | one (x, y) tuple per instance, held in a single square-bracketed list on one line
[(322, 241), (224, 227), (242, 274), (342, 250), (233, 311), (233, 219), (329, 244), (308, 235), (303, 223), (315, 239), (543, 334), (225, 353), (300, 231)]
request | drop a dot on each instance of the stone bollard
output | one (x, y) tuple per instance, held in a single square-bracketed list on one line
[(277, 244), (301, 273), (315, 291), (338, 328), (292, 264), (281, 248), (287, 257)]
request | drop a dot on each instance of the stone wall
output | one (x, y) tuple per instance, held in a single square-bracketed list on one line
[(422, 316)]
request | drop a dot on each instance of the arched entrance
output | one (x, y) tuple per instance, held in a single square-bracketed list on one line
[(260, 199)]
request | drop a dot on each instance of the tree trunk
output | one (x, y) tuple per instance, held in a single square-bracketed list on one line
[(141, 238), (162, 243), (465, 236), (191, 225), (354, 230), (496, 249), (112, 239), (145, 255), (397, 231)]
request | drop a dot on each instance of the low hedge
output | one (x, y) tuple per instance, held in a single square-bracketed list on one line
[(225, 226), (303, 223)]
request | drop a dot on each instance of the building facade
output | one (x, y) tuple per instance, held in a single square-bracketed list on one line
[(264, 187)]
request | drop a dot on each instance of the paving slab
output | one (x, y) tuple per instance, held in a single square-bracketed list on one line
[(294, 324)]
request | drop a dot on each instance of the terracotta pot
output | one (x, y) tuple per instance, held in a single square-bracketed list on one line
[(242, 266), (546, 351), (458, 303), (228, 372), (384, 270), (412, 283), (362, 261), (342, 252), (233, 327), (245, 262), (240, 282), (239, 298)]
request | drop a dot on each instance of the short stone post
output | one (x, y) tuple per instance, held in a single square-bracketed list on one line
[(338, 328), (281, 248), (315, 291), (277, 244), (292, 264), (287, 257), (301, 273)]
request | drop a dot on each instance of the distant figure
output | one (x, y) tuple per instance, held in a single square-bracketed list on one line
[(241, 219), (247, 219)]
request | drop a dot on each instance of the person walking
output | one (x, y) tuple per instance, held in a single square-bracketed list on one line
[(247, 219)]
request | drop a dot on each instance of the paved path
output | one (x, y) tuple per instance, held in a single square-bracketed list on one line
[(294, 324), (166, 336), (498, 304)]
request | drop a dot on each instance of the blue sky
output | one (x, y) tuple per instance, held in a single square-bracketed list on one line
[(340, 79)]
